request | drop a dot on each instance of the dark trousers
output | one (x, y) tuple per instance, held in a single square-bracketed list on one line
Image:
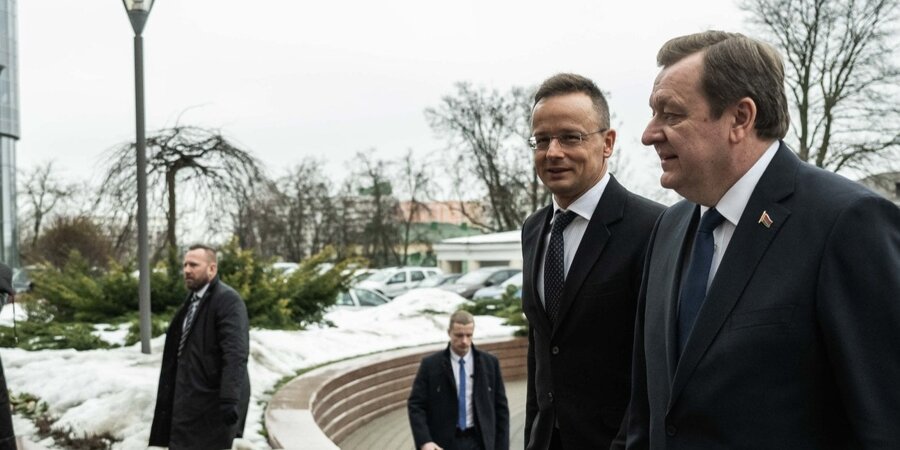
[(468, 440)]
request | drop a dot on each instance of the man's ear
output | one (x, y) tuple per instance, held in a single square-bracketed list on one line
[(609, 141), (743, 119)]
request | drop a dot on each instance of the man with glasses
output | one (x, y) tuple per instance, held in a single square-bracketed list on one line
[(583, 258)]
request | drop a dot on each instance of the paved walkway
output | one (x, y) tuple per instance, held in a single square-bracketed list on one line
[(391, 431)]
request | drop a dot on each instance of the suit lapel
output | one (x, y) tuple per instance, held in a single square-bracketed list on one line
[(448, 369), (747, 247), (537, 234), (610, 208), (675, 253)]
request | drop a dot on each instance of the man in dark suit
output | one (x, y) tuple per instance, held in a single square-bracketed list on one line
[(582, 259), (204, 388), (458, 401), (770, 304)]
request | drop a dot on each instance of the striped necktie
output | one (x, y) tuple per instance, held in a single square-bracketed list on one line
[(188, 321)]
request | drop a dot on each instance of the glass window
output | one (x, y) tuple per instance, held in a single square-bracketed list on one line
[(416, 276), (367, 298), (400, 277), (345, 299)]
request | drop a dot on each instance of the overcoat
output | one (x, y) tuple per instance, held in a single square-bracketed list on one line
[(211, 369), (432, 404)]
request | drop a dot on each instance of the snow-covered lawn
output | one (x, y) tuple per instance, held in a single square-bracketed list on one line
[(115, 390)]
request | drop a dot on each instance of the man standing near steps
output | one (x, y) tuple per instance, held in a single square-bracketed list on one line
[(458, 401), (204, 388)]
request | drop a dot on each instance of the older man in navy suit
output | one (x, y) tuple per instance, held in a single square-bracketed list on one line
[(770, 302)]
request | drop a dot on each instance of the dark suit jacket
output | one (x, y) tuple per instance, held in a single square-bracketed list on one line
[(432, 403), (796, 345), (212, 369), (578, 370)]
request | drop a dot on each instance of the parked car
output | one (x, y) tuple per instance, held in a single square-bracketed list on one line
[(497, 291), (467, 284), (358, 298), (394, 281), (439, 280), (285, 268)]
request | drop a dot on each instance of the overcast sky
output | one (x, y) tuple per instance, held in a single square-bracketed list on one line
[(292, 79)]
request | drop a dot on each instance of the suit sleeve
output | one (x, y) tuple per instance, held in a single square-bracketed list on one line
[(859, 309), (501, 410), (417, 407), (531, 406), (233, 334), (635, 428)]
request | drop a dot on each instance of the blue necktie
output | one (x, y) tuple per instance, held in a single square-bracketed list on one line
[(461, 400), (554, 265), (693, 289)]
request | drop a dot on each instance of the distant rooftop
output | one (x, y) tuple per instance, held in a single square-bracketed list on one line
[(493, 238)]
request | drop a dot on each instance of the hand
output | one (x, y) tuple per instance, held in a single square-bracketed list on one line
[(229, 412), (430, 446)]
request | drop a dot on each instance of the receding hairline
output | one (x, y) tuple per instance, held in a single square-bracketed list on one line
[(207, 250)]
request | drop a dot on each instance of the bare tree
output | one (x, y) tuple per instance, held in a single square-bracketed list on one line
[(379, 209), (416, 185), (841, 75), (43, 192), (199, 163), (489, 131)]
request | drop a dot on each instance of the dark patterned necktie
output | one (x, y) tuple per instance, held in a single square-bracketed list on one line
[(693, 291), (554, 265), (188, 321)]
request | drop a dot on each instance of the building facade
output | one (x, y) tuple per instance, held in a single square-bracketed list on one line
[(9, 131)]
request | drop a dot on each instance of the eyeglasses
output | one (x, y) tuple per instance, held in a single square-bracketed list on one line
[(569, 140)]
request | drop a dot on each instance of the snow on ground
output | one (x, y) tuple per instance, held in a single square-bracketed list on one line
[(114, 390)]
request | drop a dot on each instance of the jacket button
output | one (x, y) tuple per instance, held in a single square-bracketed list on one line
[(555, 350), (671, 430), (550, 396)]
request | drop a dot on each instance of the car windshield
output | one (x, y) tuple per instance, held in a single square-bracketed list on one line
[(381, 276), (476, 276), (515, 280)]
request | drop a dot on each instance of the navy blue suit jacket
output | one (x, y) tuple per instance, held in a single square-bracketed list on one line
[(796, 345)]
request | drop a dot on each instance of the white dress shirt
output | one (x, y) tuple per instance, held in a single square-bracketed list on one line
[(732, 206), (584, 207), (470, 373)]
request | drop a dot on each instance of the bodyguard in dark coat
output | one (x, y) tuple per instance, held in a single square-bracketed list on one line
[(434, 405), (204, 388), (7, 435)]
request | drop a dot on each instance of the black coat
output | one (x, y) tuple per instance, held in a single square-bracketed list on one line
[(7, 435), (432, 404), (796, 345), (579, 368), (211, 369)]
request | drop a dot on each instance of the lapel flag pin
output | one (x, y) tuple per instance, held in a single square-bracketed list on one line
[(765, 220)]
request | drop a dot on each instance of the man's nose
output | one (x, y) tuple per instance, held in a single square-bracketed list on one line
[(652, 134)]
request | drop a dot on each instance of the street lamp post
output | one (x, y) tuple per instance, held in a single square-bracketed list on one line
[(138, 11)]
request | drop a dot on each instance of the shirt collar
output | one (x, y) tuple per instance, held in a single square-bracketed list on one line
[(456, 357), (733, 203), (585, 205), (202, 291)]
